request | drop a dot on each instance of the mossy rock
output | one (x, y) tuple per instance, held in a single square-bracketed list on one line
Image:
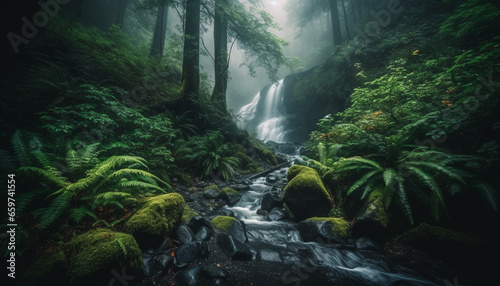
[(46, 270), (223, 223), (156, 219), (93, 256), (188, 214), (339, 226), (437, 241), (212, 186), (468, 255), (305, 195), (373, 219), (324, 230), (295, 170), (229, 191)]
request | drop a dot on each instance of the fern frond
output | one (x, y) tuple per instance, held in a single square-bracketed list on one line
[(111, 163), (389, 176), (113, 196), (41, 157), (488, 194), (115, 222), (361, 181), (122, 246), (369, 187), (139, 184), (125, 172), (404, 202), (431, 183), (361, 161), (20, 149), (77, 214), (81, 184), (24, 199), (450, 172), (46, 175), (55, 209), (436, 155)]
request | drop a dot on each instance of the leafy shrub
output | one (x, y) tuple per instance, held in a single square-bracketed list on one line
[(210, 155)]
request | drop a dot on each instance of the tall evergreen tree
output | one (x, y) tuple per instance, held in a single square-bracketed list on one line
[(220, 53), (160, 29), (334, 14), (122, 8), (190, 82)]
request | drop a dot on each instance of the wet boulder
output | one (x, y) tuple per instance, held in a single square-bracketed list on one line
[(305, 195), (233, 248), (231, 226), (211, 193), (189, 277), (277, 214), (324, 230), (270, 201), (163, 262), (230, 196), (190, 252), (366, 243), (197, 222), (271, 179), (184, 234), (203, 234)]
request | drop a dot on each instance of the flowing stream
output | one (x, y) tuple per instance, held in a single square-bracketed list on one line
[(283, 241)]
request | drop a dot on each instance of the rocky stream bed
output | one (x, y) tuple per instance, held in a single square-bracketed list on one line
[(247, 238)]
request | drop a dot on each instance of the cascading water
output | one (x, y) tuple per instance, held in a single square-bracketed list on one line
[(270, 125), (344, 266)]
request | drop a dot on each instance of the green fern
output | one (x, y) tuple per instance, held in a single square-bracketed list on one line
[(99, 187), (47, 175), (211, 156), (56, 208), (77, 159), (122, 245), (417, 164), (23, 200), (78, 214), (21, 149)]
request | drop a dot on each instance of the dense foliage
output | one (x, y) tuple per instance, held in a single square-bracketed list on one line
[(416, 127)]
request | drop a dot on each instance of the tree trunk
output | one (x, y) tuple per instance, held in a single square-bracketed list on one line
[(360, 11), (122, 8), (334, 12), (220, 54), (190, 83), (160, 30), (79, 9), (346, 21)]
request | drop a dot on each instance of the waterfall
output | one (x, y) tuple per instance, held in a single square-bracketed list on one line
[(270, 122)]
